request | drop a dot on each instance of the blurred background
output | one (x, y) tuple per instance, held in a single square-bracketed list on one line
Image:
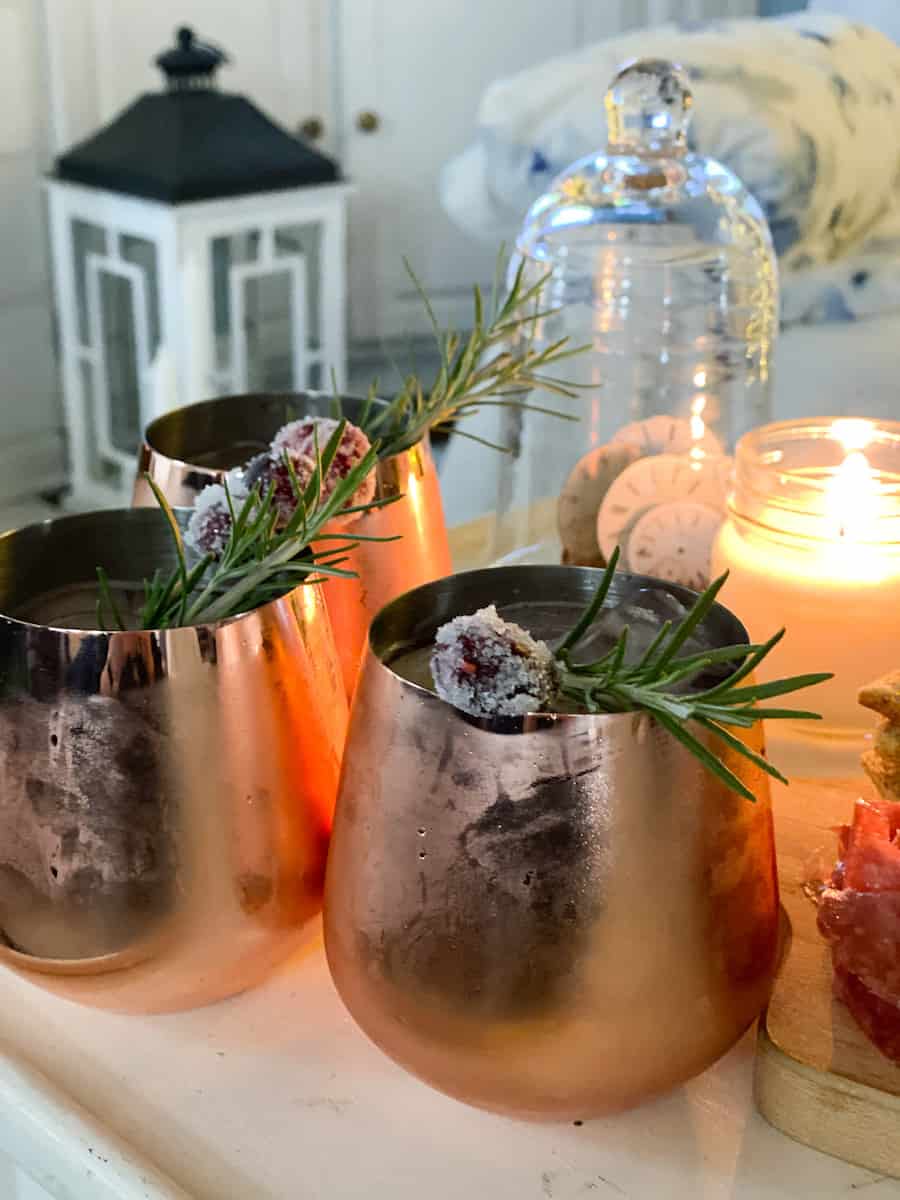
[(389, 89)]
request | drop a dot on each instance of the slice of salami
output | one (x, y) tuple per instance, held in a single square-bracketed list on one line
[(863, 930), (859, 917), (871, 860), (879, 1019)]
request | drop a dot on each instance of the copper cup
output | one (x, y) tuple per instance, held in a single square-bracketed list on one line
[(186, 449), (553, 916), (167, 794)]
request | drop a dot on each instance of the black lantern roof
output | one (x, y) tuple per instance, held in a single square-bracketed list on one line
[(193, 142)]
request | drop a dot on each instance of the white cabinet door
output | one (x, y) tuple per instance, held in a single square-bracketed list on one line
[(101, 55), (421, 67)]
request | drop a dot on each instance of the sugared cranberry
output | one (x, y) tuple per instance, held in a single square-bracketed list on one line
[(490, 667), (210, 525), (299, 441)]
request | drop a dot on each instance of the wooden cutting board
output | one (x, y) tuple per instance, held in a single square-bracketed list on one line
[(818, 1078)]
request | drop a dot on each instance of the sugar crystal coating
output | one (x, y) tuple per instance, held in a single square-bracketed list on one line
[(299, 441), (278, 476), (257, 471), (490, 667), (210, 523)]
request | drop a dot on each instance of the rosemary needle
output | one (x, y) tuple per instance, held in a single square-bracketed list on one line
[(497, 364), (611, 685), (262, 559)]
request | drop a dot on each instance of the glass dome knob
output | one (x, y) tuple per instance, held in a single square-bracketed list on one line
[(648, 108)]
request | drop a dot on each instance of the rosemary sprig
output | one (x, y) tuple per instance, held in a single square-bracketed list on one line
[(497, 364), (610, 685), (263, 558)]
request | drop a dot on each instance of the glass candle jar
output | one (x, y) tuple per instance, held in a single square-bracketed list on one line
[(812, 543)]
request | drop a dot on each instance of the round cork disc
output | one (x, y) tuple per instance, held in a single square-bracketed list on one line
[(580, 499)]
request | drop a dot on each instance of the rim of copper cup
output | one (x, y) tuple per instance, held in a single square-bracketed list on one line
[(40, 529), (154, 428), (417, 597)]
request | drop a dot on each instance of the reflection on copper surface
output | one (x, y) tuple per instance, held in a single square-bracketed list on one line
[(555, 920), (191, 447), (387, 570), (168, 795)]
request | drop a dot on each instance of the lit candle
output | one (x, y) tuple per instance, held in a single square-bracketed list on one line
[(812, 543)]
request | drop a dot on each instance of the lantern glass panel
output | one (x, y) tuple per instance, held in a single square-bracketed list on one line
[(121, 359), (267, 308), (226, 254), (87, 239), (305, 241), (141, 252), (268, 315)]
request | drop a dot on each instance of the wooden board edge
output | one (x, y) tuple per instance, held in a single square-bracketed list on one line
[(848, 1120)]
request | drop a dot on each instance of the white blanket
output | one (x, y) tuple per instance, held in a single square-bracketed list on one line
[(804, 109)]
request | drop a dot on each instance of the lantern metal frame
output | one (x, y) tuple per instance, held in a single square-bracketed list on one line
[(182, 369)]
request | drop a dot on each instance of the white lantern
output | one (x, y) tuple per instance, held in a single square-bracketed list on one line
[(199, 250)]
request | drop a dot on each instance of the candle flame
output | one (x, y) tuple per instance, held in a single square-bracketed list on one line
[(850, 495), (854, 433)]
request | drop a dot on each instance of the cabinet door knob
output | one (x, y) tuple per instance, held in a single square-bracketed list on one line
[(367, 122), (312, 128)]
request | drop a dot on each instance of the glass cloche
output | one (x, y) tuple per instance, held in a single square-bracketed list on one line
[(660, 262)]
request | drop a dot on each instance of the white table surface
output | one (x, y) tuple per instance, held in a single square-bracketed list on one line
[(276, 1095)]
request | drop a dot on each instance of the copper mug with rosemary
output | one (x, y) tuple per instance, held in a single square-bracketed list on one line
[(496, 364), (551, 889), (172, 721)]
